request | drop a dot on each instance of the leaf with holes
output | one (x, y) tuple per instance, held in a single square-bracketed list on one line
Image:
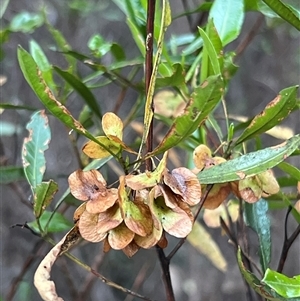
[(34, 146)]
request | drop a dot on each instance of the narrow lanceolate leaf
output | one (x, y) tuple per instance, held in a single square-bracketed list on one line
[(9, 174), (34, 78), (203, 101), (211, 53), (249, 164), (258, 286), (43, 63), (81, 89), (43, 196), (202, 241), (34, 146), (274, 113), (282, 285), (284, 12), (291, 170), (258, 219), (228, 18)]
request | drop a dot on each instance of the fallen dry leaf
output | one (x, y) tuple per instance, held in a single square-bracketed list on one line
[(42, 282)]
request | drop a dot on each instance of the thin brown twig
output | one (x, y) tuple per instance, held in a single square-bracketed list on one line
[(288, 241), (69, 281), (139, 280), (182, 240), (250, 36), (26, 265), (90, 279), (165, 265)]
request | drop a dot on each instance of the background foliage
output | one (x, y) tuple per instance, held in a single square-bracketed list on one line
[(62, 39)]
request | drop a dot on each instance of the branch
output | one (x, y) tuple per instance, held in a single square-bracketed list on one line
[(287, 242)]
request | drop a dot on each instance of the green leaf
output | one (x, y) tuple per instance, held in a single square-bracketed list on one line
[(175, 80), (9, 174), (202, 241), (284, 12), (58, 222), (118, 52), (291, 170), (282, 285), (98, 46), (203, 101), (43, 63), (228, 17), (32, 75), (211, 52), (259, 287), (62, 44), (26, 22), (249, 164), (34, 146), (9, 106), (257, 218), (274, 112), (81, 88), (43, 196)]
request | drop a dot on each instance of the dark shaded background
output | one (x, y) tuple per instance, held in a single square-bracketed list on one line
[(269, 64)]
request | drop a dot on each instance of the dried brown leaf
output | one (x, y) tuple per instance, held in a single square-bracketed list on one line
[(217, 195), (131, 249), (42, 282), (94, 227), (91, 186), (120, 237)]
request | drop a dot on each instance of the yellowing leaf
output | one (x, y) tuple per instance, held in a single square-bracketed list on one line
[(204, 243), (95, 151), (112, 125), (200, 155), (147, 179)]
